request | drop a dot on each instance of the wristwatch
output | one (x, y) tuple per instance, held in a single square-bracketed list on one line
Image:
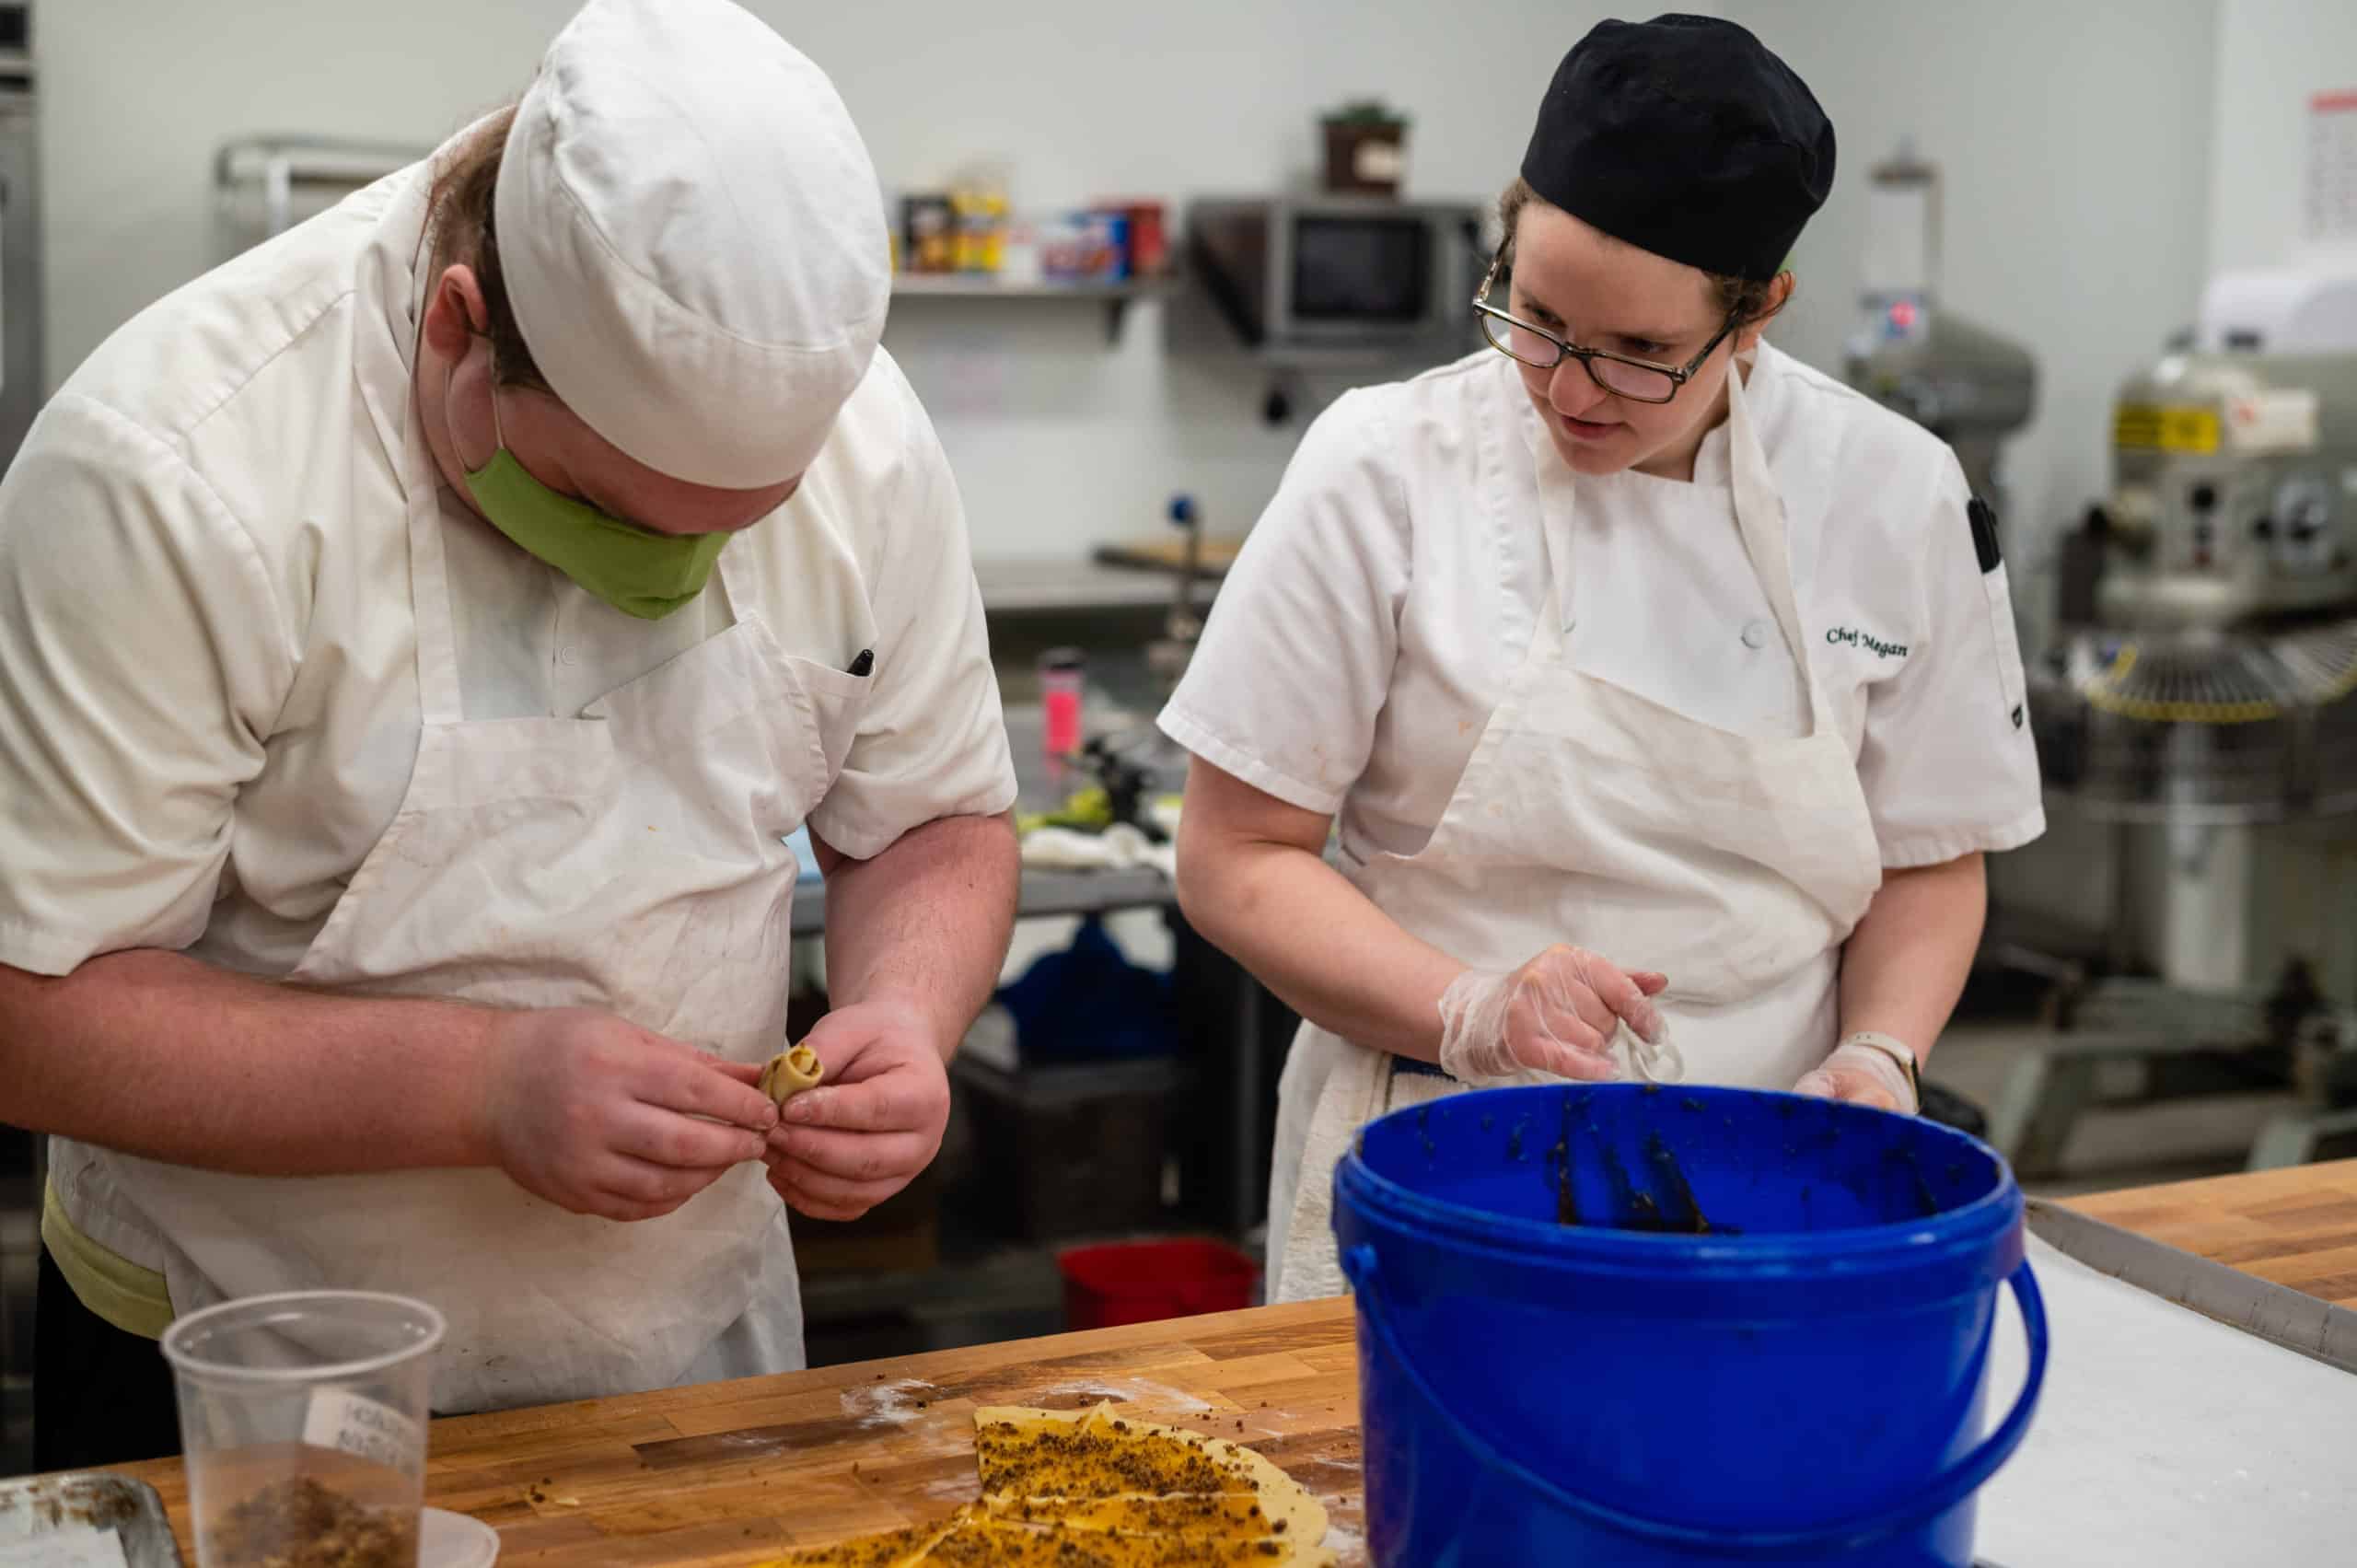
[(1897, 1053)]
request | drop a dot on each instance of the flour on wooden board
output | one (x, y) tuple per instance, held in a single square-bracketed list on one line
[(889, 1404), (1132, 1390)]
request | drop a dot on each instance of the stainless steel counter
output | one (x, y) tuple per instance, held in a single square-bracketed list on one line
[(1016, 586), (1041, 788)]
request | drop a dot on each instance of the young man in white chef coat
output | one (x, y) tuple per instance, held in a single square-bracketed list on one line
[(1666, 690), (421, 637)]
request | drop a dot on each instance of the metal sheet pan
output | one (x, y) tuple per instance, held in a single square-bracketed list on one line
[(2275, 1313), (58, 1507)]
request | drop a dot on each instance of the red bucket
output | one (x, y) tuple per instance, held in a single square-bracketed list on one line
[(1144, 1282)]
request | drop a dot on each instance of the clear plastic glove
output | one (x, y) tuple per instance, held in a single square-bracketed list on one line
[(1556, 1013), (1863, 1076)]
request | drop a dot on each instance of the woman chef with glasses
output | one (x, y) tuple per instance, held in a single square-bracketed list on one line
[(1665, 690)]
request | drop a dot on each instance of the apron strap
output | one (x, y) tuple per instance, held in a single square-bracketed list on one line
[(736, 579), (1555, 481), (429, 578), (1760, 518), (385, 365)]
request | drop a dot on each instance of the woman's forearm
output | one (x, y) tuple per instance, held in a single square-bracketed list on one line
[(1904, 967), (1317, 941)]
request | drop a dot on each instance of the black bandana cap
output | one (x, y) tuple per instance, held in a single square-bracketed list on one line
[(1684, 136)]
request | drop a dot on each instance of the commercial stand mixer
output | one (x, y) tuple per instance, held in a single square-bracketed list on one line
[(2196, 718)]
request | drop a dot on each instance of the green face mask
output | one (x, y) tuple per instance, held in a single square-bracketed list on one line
[(637, 571)]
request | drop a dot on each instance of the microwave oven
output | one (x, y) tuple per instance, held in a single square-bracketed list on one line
[(1339, 273)]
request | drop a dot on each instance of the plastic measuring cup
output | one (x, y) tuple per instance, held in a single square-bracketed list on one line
[(303, 1426)]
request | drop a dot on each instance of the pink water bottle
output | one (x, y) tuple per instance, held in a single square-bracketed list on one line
[(1059, 681)]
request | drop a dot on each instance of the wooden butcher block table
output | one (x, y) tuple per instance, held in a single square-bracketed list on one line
[(2296, 1226), (730, 1473)]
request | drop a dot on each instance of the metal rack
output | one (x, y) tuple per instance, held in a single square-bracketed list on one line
[(1115, 295), (264, 185), (21, 371)]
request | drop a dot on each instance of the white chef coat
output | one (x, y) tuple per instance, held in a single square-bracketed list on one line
[(1366, 635), (209, 701)]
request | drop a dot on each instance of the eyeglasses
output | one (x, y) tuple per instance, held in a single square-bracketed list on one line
[(1639, 380)]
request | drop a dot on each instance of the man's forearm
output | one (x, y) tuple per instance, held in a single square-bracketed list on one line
[(926, 923), (1905, 966), (155, 1054)]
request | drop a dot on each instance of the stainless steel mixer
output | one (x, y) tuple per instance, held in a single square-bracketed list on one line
[(2210, 633), (2196, 717), (1966, 384)]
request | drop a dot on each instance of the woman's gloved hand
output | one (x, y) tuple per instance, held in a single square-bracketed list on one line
[(1556, 1013), (1862, 1075)]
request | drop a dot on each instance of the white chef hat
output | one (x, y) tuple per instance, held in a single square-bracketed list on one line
[(692, 240)]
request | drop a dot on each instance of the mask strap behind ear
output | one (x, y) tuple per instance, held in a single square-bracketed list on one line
[(498, 431)]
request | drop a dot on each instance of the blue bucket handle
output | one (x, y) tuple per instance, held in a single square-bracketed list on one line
[(1936, 1496)]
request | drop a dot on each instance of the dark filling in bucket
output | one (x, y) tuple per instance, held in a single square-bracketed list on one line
[(1667, 1204), (1694, 1161), (1925, 1199)]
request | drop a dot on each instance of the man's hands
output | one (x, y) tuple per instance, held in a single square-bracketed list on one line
[(600, 1117), (603, 1118), (873, 1124)]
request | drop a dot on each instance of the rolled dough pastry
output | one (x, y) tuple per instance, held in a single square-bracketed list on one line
[(790, 1073)]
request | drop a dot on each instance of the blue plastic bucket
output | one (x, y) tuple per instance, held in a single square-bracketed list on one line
[(1642, 1326)]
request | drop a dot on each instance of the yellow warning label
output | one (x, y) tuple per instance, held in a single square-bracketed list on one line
[(2146, 426)]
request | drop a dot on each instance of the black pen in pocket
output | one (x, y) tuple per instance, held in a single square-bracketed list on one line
[(865, 664)]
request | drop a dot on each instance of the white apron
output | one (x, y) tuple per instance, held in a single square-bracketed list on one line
[(631, 859), (1590, 816)]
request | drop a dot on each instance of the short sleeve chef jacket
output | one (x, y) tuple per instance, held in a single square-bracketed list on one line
[(208, 675), (1388, 595)]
